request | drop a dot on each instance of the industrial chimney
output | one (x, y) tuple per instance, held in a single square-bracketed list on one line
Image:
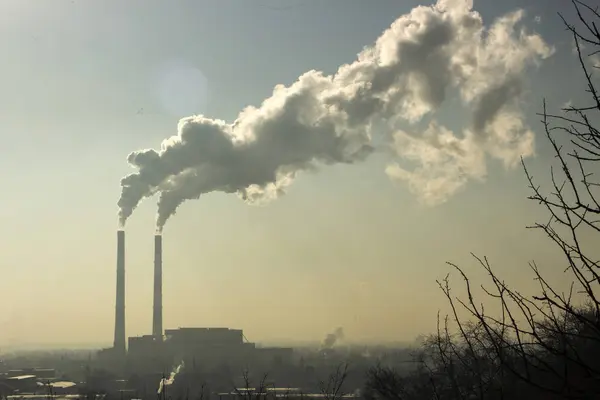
[(157, 325), (119, 342)]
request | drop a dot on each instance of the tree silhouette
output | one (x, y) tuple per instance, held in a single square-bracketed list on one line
[(545, 346)]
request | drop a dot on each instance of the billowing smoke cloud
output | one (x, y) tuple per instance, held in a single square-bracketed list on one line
[(425, 56), (332, 338)]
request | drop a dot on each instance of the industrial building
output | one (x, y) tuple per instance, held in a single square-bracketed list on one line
[(199, 349), (209, 347)]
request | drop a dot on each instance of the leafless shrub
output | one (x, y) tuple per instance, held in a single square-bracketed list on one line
[(333, 387), (252, 392)]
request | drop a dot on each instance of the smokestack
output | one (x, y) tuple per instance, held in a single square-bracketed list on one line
[(157, 328), (119, 342)]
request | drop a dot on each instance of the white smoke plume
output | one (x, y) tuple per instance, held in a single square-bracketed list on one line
[(170, 380), (321, 119)]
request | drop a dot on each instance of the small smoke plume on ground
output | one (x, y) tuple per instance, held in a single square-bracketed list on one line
[(327, 119), (170, 380), (332, 338)]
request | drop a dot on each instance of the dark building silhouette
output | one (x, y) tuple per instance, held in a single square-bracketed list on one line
[(203, 349)]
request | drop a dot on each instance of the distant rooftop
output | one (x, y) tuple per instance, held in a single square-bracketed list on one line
[(288, 394), (46, 397), (201, 329), (21, 377)]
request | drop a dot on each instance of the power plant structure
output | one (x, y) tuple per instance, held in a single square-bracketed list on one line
[(159, 351), (157, 323), (119, 339)]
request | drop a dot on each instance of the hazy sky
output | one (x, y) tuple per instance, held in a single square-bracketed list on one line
[(84, 83)]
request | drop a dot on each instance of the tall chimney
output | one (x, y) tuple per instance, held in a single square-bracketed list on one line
[(157, 325), (119, 342)]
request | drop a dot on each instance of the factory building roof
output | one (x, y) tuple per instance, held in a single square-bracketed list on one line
[(22, 377)]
